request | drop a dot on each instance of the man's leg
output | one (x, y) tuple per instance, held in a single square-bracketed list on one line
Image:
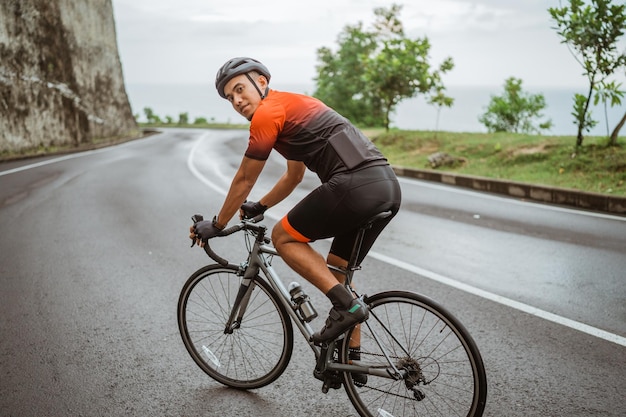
[(311, 265), (303, 259), (336, 261)]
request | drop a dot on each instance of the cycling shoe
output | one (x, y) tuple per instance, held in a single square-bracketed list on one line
[(339, 321)]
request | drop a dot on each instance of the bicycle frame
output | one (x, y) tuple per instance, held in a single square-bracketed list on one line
[(258, 261)]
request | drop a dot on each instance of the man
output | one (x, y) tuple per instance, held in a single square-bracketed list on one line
[(357, 183)]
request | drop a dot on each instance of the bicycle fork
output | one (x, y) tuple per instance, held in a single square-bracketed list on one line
[(241, 301)]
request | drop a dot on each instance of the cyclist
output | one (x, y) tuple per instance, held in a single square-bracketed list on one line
[(357, 183)]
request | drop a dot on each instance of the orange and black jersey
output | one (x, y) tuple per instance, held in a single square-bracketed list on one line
[(302, 128)]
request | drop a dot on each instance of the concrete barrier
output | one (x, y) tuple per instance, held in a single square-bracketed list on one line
[(532, 192)]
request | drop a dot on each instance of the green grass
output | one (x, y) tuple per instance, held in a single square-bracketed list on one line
[(546, 160)]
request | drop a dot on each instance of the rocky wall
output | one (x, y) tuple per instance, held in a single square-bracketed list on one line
[(61, 79)]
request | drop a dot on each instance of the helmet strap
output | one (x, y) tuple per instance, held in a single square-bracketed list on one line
[(257, 87)]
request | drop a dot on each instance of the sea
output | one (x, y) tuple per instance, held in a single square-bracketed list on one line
[(470, 102)]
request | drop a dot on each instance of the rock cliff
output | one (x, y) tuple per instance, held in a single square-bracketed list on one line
[(61, 78)]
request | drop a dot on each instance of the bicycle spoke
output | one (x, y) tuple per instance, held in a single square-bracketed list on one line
[(421, 340), (254, 352)]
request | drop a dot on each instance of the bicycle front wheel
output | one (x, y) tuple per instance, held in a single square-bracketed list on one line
[(443, 370), (254, 353)]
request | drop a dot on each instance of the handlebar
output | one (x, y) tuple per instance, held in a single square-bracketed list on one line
[(245, 224)]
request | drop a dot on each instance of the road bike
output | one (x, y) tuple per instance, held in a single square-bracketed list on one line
[(411, 357)]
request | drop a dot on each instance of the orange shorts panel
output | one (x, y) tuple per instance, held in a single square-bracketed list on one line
[(293, 232)]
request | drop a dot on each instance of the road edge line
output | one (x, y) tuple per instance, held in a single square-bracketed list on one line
[(537, 312)]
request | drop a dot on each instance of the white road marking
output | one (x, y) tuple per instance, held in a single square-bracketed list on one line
[(48, 162), (67, 157), (509, 199), (593, 331), (196, 172)]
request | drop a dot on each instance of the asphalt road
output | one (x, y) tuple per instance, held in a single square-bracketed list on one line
[(94, 251)]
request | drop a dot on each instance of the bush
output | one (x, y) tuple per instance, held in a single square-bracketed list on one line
[(515, 111)]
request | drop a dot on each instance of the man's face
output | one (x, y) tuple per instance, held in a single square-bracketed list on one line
[(243, 95)]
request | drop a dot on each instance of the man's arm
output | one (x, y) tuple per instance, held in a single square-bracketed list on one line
[(244, 180), (286, 184)]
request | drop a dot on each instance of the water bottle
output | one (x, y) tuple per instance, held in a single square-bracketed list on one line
[(301, 300)]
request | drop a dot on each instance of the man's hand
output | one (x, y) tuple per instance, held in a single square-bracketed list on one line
[(251, 209), (204, 230)]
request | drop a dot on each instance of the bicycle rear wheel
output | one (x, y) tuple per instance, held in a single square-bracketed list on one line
[(446, 375), (255, 353)]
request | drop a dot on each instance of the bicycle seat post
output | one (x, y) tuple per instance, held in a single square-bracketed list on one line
[(353, 263), (354, 256)]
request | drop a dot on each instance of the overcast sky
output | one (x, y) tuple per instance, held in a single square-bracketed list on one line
[(186, 41)]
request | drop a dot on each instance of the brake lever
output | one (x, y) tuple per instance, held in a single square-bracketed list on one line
[(195, 219)]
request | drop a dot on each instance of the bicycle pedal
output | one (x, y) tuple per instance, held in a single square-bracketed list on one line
[(318, 375), (329, 383)]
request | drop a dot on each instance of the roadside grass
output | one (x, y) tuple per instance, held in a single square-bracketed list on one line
[(547, 160)]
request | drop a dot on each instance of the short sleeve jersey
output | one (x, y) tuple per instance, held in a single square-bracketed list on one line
[(298, 127)]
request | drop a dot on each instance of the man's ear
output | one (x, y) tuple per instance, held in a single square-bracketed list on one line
[(262, 81)]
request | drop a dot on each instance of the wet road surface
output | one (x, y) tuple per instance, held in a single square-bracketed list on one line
[(94, 252)]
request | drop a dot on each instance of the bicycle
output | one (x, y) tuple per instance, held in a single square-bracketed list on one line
[(415, 357)]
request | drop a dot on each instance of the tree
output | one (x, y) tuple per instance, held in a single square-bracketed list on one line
[(618, 127), (340, 83), (374, 70), (591, 31), (608, 92), (151, 118), (615, 133), (183, 119), (515, 111), (439, 99)]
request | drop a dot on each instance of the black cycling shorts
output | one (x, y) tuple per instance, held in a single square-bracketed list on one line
[(338, 207)]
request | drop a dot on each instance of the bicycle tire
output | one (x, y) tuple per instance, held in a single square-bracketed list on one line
[(257, 352), (453, 379)]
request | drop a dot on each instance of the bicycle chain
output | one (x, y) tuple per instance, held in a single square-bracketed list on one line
[(380, 390), (389, 393)]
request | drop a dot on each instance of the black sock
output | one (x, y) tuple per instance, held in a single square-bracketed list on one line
[(340, 297)]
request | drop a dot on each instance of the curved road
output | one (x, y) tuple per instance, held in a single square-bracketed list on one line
[(94, 251)]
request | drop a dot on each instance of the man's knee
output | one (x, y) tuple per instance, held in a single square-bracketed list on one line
[(279, 235)]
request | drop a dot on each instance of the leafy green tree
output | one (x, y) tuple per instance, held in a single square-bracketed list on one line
[(618, 127), (591, 30), (615, 133), (151, 117), (582, 116), (515, 110), (608, 92), (183, 119), (340, 82), (200, 121), (376, 69), (440, 100)]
